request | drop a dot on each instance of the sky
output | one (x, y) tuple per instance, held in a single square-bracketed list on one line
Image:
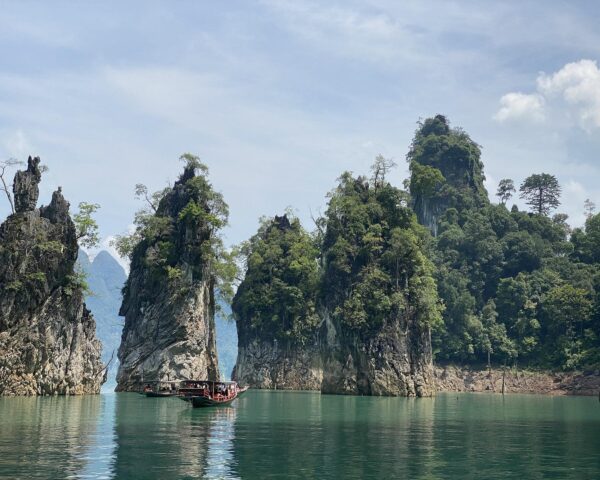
[(278, 98)]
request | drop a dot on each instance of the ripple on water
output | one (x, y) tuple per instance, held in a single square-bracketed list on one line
[(300, 435)]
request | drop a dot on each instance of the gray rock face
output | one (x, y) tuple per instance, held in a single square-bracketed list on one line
[(48, 342), (169, 331), (394, 362), (25, 186), (268, 366), (169, 339)]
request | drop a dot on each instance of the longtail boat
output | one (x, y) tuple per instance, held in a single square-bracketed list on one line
[(159, 389), (206, 393)]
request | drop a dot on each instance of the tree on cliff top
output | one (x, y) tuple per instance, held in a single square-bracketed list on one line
[(541, 192), (5, 166), (505, 191), (85, 225)]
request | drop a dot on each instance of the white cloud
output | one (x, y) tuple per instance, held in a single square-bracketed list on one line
[(572, 93), (521, 106), (578, 84)]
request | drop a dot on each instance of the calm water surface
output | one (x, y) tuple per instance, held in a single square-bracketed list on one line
[(301, 435)]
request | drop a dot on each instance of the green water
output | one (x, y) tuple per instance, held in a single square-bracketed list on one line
[(301, 435)]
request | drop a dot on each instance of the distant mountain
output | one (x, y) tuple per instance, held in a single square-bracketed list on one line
[(105, 278), (226, 342)]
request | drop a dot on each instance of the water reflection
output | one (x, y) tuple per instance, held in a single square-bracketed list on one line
[(300, 435), (47, 437), (167, 439)]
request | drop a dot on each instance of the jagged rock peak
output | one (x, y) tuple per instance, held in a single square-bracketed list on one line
[(58, 210), (25, 186), (48, 341)]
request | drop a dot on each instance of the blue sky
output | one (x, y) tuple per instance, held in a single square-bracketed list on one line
[(279, 98)]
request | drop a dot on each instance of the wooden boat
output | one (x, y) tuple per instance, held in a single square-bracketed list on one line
[(206, 393), (159, 389)]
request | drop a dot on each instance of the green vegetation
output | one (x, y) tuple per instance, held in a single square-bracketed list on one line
[(374, 267), (277, 298), (86, 227), (541, 192), (366, 266), (516, 286), (77, 282), (495, 285), (177, 233), (446, 170), (505, 191)]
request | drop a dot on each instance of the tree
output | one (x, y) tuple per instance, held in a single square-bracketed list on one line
[(85, 226), (589, 208), (380, 168), (506, 188), (541, 192), (192, 162), (566, 312), (424, 180), (146, 222), (4, 165)]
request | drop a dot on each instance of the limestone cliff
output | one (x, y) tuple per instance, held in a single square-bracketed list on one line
[(48, 339), (268, 365), (168, 302), (394, 361), (452, 153), (275, 310), (347, 312)]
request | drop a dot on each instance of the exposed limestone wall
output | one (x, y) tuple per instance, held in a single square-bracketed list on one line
[(170, 338), (169, 331), (268, 366), (393, 362), (390, 363), (48, 339)]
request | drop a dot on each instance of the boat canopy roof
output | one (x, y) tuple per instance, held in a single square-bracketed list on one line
[(209, 382)]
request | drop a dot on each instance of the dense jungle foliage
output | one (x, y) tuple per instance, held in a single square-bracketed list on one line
[(517, 286), (177, 234), (277, 299), (494, 283), (366, 266)]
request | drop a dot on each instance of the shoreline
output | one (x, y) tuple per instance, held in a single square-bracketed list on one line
[(453, 378)]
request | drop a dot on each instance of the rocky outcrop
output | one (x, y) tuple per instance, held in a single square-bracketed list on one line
[(275, 310), (392, 362), (349, 313), (168, 302), (452, 378), (395, 361), (457, 157), (48, 342), (267, 365)]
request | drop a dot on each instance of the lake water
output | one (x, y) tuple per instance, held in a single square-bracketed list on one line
[(301, 435)]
